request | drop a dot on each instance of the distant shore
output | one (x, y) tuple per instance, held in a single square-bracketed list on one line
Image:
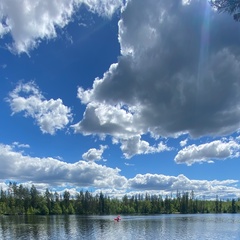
[(19, 200)]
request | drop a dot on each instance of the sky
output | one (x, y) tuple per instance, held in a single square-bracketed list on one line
[(122, 97)]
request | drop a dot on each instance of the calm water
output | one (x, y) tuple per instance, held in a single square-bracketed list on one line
[(179, 227)]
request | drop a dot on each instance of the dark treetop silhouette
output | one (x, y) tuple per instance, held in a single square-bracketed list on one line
[(230, 6)]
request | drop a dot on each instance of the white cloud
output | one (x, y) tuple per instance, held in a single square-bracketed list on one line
[(129, 164), (177, 74), (155, 183), (3, 186), (50, 115), (20, 145), (135, 146), (103, 119), (103, 7), (183, 142), (16, 166), (151, 181), (31, 21), (208, 152), (94, 154), (111, 192)]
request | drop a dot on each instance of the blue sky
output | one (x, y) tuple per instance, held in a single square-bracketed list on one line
[(120, 96)]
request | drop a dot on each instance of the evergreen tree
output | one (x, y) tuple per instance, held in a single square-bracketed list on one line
[(234, 208)]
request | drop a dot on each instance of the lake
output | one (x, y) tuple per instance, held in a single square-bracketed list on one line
[(169, 227)]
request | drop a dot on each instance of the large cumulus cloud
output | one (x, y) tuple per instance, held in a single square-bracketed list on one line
[(178, 73)]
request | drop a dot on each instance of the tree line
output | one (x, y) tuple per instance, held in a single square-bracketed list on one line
[(22, 200)]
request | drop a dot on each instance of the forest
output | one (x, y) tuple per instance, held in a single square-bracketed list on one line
[(19, 200)]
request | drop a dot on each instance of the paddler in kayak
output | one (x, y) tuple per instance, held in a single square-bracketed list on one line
[(117, 218)]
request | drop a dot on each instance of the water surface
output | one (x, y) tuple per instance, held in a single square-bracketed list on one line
[(176, 226)]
